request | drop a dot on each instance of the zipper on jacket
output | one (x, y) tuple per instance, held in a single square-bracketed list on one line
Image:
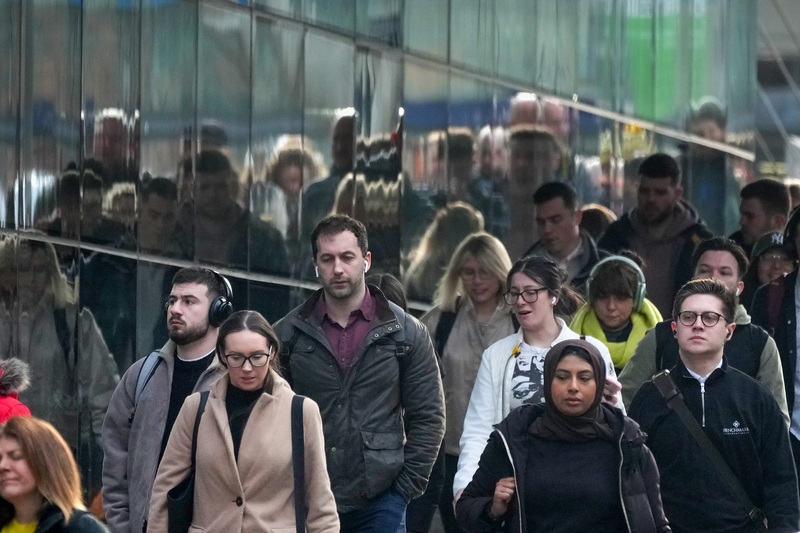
[(703, 401), (621, 496), (516, 482)]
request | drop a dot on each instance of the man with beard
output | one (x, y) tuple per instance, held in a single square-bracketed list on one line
[(662, 229), (372, 370), (147, 400)]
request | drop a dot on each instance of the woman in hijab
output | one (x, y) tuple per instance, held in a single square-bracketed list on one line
[(570, 464)]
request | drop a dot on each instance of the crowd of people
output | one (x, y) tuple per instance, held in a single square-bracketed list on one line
[(574, 372)]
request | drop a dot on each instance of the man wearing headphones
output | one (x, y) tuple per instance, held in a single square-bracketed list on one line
[(751, 349), (372, 370), (147, 400)]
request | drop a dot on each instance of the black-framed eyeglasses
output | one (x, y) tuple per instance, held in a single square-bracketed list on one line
[(709, 318), (256, 359), (528, 295)]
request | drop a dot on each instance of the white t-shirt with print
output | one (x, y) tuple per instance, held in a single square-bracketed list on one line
[(527, 381)]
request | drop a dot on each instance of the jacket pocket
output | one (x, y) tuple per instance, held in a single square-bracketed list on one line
[(383, 459)]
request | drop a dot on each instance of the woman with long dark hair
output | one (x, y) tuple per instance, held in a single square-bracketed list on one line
[(511, 372), (244, 476), (572, 464)]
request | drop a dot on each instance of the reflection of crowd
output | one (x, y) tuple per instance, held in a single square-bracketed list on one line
[(507, 240)]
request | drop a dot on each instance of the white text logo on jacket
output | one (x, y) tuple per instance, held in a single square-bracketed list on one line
[(736, 429)]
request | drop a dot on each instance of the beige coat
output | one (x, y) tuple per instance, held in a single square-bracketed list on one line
[(257, 494)]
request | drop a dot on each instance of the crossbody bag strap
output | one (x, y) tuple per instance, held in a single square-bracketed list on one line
[(674, 399), (200, 408), (299, 463)]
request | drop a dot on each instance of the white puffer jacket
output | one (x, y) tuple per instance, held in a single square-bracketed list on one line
[(490, 402)]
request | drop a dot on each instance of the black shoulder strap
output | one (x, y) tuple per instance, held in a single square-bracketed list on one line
[(286, 352), (299, 464), (674, 399), (200, 408), (664, 340), (447, 320)]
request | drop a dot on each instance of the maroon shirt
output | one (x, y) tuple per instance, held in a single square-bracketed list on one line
[(344, 340)]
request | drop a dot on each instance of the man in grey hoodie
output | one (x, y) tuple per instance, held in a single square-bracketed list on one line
[(663, 229)]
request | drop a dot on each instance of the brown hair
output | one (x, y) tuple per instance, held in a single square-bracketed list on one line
[(50, 461), (712, 287), (547, 274), (249, 321)]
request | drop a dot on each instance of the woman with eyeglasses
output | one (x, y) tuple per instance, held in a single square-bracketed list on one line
[(511, 372), (244, 472), (469, 316)]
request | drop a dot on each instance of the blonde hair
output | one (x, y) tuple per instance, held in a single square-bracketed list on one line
[(50, 461), (488, 251)]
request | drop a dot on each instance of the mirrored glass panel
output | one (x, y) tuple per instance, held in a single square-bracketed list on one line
[(339, 15), (167, 115), (329, 127), (380, 20), (425, 122), (283, 162), (425, 27), (111, 123), (10, 28), (473, 35), (372, 194), (49, 194)]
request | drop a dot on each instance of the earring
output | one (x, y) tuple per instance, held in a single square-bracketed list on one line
[(316, 271)]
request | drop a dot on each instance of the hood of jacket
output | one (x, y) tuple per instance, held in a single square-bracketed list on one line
[(15, 376), (741, 318), (682, 218)]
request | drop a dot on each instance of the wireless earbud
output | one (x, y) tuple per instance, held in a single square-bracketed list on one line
[(316, 271), (553, 301), (366, 265), (737, 291)]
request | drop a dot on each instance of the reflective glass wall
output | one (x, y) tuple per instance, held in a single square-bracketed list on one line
[(140, 136)]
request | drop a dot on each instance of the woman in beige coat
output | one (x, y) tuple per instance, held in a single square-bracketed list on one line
[(244, 476)]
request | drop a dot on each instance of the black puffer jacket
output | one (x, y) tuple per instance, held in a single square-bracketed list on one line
[(395, 375), (51, 520), (639, 486)]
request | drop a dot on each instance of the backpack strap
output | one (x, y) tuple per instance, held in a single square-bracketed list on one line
[(299, 464), (444, 327), (147, 370), (285, 355)]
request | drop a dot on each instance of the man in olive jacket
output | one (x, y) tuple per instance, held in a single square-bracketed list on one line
[(370, 367)]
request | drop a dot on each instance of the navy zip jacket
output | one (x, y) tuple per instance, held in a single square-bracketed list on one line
[(743, 421)]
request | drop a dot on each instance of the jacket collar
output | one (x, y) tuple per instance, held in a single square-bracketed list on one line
[(383, 311), (717, 374)]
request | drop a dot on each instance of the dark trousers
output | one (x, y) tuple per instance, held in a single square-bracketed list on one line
[(383, 514), (419, 514), (446, 501)]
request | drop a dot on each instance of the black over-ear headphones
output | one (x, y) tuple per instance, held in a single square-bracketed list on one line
[(222, 306)]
